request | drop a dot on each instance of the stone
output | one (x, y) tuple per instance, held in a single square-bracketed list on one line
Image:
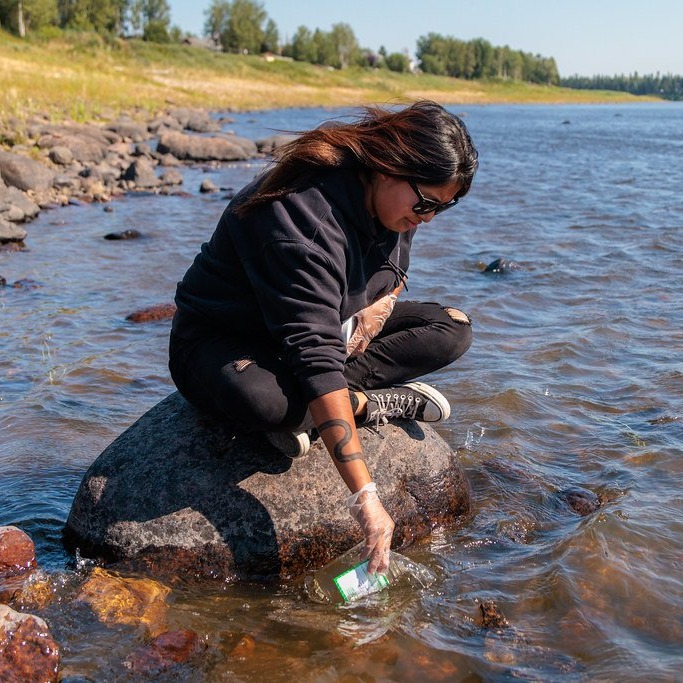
[(207, 186), (125, 600), (129, 130), (24, 173), (17, 551), (178, 494), (165, 651), (153, 313), (171, 176), (61, 155), (10, 232), (28, 652), (141, 172), (269, 144), (196, 148)]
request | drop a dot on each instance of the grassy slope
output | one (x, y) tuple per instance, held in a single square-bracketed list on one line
[(82, 77)]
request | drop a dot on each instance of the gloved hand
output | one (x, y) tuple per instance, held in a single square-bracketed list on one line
[(365, 507), (369, 323)]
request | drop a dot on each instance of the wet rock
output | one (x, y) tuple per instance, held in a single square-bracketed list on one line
[(24, 173), (141, 172), (123, 600), (181, 495), (492, 617), (501, 265), (195, 148), (123, 235), (269, 144), (165, 651), (208, 186), (153, 313), (17, 551), (580, 500), (168, 160), (60, 155), (28, 652)]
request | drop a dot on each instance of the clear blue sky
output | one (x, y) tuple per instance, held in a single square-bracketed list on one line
[(587, 37)]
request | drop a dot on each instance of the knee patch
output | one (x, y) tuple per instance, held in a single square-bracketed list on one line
[(457, 316)]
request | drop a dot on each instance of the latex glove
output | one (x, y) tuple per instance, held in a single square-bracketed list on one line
[(366, 508), (369, 323)]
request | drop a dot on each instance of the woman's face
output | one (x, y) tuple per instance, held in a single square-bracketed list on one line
[(391, 201)]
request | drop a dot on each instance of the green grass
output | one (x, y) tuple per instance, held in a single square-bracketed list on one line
[(82, 76)]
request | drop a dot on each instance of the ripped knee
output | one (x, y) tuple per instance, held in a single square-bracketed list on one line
[(457, 316)]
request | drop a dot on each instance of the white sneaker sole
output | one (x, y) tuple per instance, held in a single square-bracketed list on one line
[(291, 444), (438, 408)]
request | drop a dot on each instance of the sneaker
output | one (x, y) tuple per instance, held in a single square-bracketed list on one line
[(412, 401), (291, 444)]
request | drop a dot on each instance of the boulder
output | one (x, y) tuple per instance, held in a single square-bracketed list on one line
[(196, 148), (28, 652), (178, 494), (24, 173), (17, 552)]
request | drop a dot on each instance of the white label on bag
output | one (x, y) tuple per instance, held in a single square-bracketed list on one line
[(356, 582)]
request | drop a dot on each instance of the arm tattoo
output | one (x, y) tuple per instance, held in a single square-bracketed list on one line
[(342, 442)]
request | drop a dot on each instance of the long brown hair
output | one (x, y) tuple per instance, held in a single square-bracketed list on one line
[(422, 142)]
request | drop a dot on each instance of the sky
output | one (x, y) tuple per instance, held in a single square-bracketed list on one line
[(586, 37)]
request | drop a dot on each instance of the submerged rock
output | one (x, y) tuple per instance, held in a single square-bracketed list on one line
[(580, 500), (153, 313), (28, 652), (118, 600), (177, 493)]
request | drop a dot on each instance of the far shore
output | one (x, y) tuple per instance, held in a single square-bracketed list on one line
[(83, 78)]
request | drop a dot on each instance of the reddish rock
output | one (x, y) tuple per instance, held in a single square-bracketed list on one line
[(17, 552), (28, 652), (166, 650), (153, 313)]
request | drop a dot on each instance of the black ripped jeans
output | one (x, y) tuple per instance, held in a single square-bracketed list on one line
[(255, 391)]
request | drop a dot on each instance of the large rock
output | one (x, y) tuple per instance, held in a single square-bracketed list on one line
[(179, 495), (197, 148), (24, 173)]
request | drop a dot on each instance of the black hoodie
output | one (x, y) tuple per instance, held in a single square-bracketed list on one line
[(290, 272)]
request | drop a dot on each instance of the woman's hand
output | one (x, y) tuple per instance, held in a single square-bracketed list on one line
[(369, 323), (366, 508)]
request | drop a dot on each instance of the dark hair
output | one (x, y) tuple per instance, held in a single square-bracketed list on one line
[(422, 142)]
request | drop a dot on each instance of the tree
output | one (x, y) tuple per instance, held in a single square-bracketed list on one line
[(23, 16), (271, 37), (103, 16), (152, 18), (397, 61), (343, 42), (238, 25)]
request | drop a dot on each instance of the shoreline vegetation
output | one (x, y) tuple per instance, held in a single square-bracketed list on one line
[(87, 78)]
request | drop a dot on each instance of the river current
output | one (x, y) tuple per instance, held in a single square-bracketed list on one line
[(574, 380)]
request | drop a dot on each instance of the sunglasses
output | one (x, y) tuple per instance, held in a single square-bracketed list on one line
[(425, 205)]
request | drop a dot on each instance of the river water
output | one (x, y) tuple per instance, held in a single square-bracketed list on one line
[(574, 379)]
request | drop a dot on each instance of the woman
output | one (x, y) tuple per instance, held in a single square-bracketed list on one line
[(287, 321)]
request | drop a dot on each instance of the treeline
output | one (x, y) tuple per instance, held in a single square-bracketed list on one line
[(669, 87), (474, 59), (150, 19)]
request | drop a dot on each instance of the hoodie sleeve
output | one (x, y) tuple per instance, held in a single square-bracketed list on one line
[(299, 289)]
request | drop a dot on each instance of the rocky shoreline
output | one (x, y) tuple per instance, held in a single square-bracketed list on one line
[(49, 165)]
